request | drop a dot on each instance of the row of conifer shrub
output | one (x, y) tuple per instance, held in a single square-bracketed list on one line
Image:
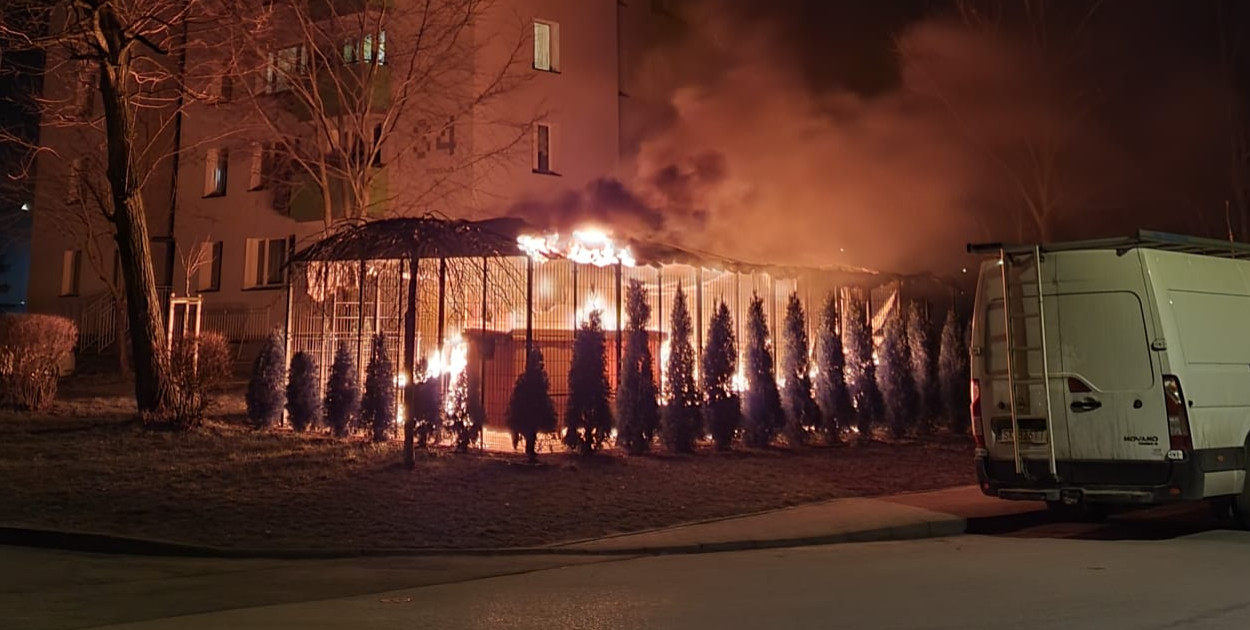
[(824, 388)]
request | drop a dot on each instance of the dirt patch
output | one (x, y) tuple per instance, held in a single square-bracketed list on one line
[(87, 465)]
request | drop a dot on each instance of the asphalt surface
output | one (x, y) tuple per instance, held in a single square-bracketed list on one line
[(1171, 567)]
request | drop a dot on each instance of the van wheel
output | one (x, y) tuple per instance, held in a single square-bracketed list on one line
[(1081, 512), (1221, 508), (1241, 507)]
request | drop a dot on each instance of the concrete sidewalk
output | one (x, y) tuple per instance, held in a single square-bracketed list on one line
[(901, 517)]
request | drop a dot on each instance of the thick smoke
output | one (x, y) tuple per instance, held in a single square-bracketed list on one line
[(757, 151)]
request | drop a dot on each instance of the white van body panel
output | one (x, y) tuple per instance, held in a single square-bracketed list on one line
[(1116, 322)]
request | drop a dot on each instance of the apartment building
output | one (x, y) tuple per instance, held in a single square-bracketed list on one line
[(223, 224)]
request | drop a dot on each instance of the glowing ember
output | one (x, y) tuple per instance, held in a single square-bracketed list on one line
[(740, 377), (448, 365), (451, 361), (586, 247), (595, 302)]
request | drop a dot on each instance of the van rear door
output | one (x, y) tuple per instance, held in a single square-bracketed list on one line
[(1113, 407)]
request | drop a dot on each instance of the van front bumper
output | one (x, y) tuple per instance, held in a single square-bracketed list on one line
[(1140, 483)]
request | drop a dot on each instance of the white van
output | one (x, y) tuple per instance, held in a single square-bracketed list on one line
[(1126, 382)]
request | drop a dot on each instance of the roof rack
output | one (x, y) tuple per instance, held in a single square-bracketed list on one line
[(1142, 239)]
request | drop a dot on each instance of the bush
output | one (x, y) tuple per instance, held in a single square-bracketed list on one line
[(198, 368), (265, 396), (923, 368), (342, 394), (897, 384), (720, 365), (459, 418), (530, 410), (588, 418), (764, 416), (423, 406), (32, 349), (215, 360), (637, 410), (861, 372), (377, 407), (303, 392), (834, 398), (802, 413), (681, 421), (953, 374)]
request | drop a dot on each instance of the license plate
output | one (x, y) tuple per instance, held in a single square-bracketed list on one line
[(1026, 436)]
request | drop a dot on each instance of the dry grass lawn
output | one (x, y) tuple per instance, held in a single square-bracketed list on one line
[(87, 465)]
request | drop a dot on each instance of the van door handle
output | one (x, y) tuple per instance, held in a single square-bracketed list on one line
[(1082, 406)]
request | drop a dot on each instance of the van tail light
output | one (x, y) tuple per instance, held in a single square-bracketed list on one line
[(978, 432), (1178, 415)]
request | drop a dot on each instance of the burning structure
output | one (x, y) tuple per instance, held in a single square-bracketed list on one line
[(463, 301)]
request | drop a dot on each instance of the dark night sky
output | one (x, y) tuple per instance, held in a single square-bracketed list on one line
[(869, 126), (1153, 64)]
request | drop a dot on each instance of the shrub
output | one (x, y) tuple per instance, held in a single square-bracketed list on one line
[(801, 410), (423, 405), (923, 368), (342, 394), (32, 349), (861, 371), (720, 365), (897, 384), (764, 416), (637, 410), (953, 373), (377, 406), (303, 392), (459, 418), (834, 398), (588, 418), (189, 399), (215, 360), (681, 420), (265, 397), (530, 410), (198, 368)]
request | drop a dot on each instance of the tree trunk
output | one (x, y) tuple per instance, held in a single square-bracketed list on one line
[(531, 450), (122, 338), (152, 386), (409, 429)]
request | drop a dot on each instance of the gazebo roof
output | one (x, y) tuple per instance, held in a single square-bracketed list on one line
[(433, 236), (416, 237)]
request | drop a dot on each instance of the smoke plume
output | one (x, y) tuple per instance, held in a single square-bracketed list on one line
[(970, 132)]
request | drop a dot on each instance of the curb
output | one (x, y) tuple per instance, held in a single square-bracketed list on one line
[(117, 545)]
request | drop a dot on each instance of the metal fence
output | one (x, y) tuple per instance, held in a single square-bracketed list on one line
[(479, 315)]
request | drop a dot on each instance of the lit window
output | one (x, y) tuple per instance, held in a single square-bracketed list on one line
[(547, 46), (262, 167), (285, 65), (371, 49), (84, 91), (265, 262), (208, 275), (216, 169), (73, 183), (225, 89), (543, 162), (71, 271), (377, 145)]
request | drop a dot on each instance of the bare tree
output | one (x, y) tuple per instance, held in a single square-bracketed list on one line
[(130, 57), (1036, 160), (1230, 24), (195, 259), (344, 91)]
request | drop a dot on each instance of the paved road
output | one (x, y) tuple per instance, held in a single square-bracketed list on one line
[(1170, 568)]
